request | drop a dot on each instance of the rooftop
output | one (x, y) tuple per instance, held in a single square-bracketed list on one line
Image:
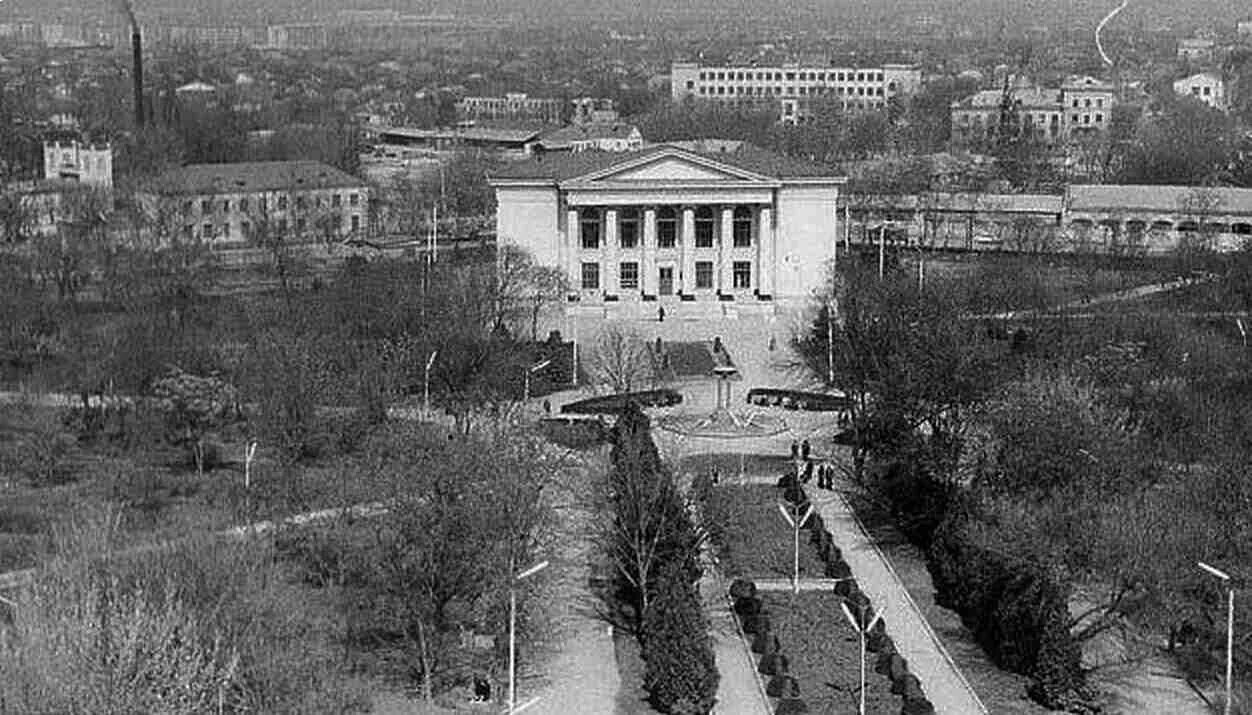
[(254, 176), (1163, 199), (589, 132), (562, 167)]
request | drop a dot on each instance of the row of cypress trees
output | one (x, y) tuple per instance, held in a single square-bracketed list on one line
[(655, 546)]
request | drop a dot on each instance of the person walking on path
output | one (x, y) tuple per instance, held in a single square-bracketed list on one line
[(795, 451), (660, 314), (804, 449)]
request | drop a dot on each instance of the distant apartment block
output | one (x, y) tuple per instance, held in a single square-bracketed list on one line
[(1081, 106), (794, 88), (306, 36), (1206, 87), (252, 201), (513, 105), (81, 162)]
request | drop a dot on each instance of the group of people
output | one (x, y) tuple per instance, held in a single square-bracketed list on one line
[(824, 471)]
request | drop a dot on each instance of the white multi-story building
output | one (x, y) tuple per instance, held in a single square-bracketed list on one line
[(73, 160), (794, 88), (674, 223), (1080, 106), (1206, 87), (259, 200), (513, 105)]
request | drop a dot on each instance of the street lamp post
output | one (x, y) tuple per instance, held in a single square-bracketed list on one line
[(1230, 630), (513, 626), (526, 383), (861, 630), (797, 522), (430, 362)]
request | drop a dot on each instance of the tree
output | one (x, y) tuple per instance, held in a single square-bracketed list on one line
[(620, 360), (17, 215), (195, 406), (1189, 143)]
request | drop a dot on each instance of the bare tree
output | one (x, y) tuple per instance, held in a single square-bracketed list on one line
[(620, 360)]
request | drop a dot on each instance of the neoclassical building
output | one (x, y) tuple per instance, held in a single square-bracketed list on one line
[(706, 221)]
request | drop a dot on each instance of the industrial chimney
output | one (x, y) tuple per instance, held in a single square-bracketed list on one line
[(136, 46)]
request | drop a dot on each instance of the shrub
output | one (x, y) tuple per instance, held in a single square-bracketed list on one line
[(791, 706), (742, 588), (765, 643), (622, 403), (773, 664), (783, 686), (40, 447), (756, 624)]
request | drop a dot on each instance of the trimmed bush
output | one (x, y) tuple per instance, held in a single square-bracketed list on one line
[(745, 607), (907, 682), (622, 403), (758, 623), (773, 664), (742, 588), (765, 643), (783, 686)]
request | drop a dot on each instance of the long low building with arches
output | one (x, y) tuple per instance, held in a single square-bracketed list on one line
[(1096, 218)]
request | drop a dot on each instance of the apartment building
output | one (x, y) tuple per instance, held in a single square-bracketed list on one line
[(794, 88), (1081, 106), (78, 161), (302, 200)]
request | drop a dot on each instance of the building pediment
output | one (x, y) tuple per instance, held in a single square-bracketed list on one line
[(673, 166)]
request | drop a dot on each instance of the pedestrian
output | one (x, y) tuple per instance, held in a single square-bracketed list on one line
[(795, 451), (808, 471), (660, 314), (717, 477), (547, 406), (482, 689), (772, 344), (804, 449), (828, 476)]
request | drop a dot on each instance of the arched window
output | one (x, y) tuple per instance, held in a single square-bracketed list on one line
[(628, 228), (666, 227), (704, 227), (589, 228), (742, 227)]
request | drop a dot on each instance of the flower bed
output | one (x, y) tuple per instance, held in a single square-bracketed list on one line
[(823, 651), (753, 540)]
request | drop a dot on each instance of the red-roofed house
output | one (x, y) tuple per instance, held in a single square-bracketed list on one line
[(667, 223)]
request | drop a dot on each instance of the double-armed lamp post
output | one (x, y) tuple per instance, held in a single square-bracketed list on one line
[(1230, 629)]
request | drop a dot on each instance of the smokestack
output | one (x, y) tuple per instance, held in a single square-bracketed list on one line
[(136, 46)]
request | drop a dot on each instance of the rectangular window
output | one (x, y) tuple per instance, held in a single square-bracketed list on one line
[(704, 274), (206, 231), (704, 230), (282, 203), (245, 229), (742, 274), (300, 225), (282, 226), (300, 201), (243, 205), (628, 232), (354, 199), (589, 230), (356, 223), (591, 276), (206, 206), (629, 275), (666, 232), (226, 206), (189, 230), (335, 200), (226, 230), (265, 204)]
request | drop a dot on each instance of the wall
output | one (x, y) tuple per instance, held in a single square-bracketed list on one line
[(806, 228), (527, 217)]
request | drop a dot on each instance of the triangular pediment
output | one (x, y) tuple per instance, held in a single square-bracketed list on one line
[(673, 165)]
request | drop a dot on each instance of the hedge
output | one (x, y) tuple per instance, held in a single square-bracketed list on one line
[(619, 404), (1016, 610)]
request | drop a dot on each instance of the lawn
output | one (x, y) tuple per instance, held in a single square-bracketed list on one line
[(752, 538), (823, 651)]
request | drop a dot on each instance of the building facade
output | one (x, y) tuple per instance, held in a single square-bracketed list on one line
[(1080, 107), (74, 160), (1206, 87), (795, 89), (670, 224), (513, 105), (258, 201)]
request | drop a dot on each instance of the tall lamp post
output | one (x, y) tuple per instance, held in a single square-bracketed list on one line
[(430, 362), (529, 370), (797, 522), (861, 630), (1230, 629), (513, 581)]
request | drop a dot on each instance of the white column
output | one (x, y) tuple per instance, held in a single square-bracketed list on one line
[(765, 242), (725, 279), (573, 246), (686, 249), (610, 252), (647, 253)]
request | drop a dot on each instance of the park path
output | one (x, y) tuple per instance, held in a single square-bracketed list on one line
[(739, 687)]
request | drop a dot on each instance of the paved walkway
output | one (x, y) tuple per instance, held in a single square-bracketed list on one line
[(739, 688), (941, 680)]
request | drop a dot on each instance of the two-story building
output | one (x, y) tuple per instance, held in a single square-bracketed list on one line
[(674, 222), (251, 201), (1081, 106), (78, 161)]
